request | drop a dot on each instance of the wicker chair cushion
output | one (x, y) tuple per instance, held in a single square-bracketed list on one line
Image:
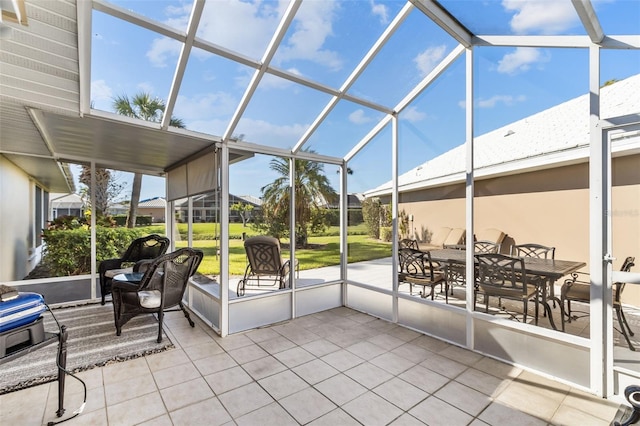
[(149, 299), (113, 272)]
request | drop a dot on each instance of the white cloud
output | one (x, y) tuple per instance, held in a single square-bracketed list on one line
[(380, 10), (358, 117), (427, 60), (312, 26), (263, 132), (521, 60), (507, 100), (145, 87), (541, 17), (162, 49), (412, 115), (270, 81), (100, 91), (205, 106)]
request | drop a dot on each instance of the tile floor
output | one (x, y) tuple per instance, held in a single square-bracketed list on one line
[(338, 367)]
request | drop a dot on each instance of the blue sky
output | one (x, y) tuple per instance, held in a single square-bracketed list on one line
[(325, 42)]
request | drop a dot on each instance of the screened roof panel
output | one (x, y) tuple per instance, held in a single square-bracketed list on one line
[(514, 17), (279, 113), (170, 12), (210, 91), (619, 18), (411, 53), (126, 59)]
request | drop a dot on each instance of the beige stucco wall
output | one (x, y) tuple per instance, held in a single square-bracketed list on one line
[(15, 214), (156, 213), (549, 207)]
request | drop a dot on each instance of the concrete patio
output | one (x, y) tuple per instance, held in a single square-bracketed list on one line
[(334, 367)]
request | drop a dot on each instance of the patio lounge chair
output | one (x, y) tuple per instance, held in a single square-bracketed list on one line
[(148, 247), (491, 235), (160, 288), (416, 268), (574, 290), (264, 260)]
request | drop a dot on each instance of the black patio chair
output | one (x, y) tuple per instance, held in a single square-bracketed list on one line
[(143, 248), (416, 268), (264, 260), (161, 288)]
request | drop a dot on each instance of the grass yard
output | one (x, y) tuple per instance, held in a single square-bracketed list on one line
[(325, 253)]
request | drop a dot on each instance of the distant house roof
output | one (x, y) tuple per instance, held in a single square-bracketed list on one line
[(249, 199), (66, 201), (535, 141), (354, 201), (156, 202)]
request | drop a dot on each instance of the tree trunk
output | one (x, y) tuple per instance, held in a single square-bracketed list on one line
[(135, 199)]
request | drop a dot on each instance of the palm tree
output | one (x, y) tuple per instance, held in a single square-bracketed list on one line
[(312, 192), (144, 107)]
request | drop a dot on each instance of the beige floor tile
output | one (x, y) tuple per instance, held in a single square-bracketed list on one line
[(270, 415), (92, 418), (214, 363), (386, 341), (294, 356), (400, 393), (406, 420), (320, 347), (92, 379), (444, 366), (229, 379), (497, 414), (235, 341), (368, 375), (128, 389), (463, 356), (209, 412), (371, 409), (283, 384), (334, 418), (463, 397), (296, 334), (543, 385), (174, 375), (340, 389), (435, 412), (315, 371), (203, 350), (366, 350), (189, 336), (163, 420), (186, 393), (245, 399), (166, 359), (523, 398), (125, 371), (342, 360), (497, 368), (425, 379), (73, 400), (136, 410), (307, 405), (412, 352), (25, 407), (247, 353), (592, 404), (392, 363), (277, 344), (572, 416), (430, 343), (482, 382), (261, 334), (264, 367), (477, 422)]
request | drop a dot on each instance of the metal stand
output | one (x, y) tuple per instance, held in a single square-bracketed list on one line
[(632, 394)]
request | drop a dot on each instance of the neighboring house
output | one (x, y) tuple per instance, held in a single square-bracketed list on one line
[(206, 209), (532, 180), (154, 207), (67, 205)]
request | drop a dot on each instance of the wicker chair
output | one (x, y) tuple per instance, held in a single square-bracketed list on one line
[(148, 247), (161, 287), (264, 260)]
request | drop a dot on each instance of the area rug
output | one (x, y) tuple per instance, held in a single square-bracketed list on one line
[(92, 342)]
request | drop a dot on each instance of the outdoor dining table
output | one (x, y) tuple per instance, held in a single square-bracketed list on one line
[(549, 269)]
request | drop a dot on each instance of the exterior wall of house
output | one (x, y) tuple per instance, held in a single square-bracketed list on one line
[(549, 207), (15, 220), (156, 213)]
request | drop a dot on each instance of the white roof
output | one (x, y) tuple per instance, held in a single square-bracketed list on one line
[(157, 202), (558, 129)]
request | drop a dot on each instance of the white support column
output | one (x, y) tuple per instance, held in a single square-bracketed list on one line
[(292, 233), (394, 213), (469, 201), (94, 253), (600, 306), (344, 223), (224, 239)]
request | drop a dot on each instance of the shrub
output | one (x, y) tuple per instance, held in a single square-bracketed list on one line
[(385, 233), (68, 252)]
